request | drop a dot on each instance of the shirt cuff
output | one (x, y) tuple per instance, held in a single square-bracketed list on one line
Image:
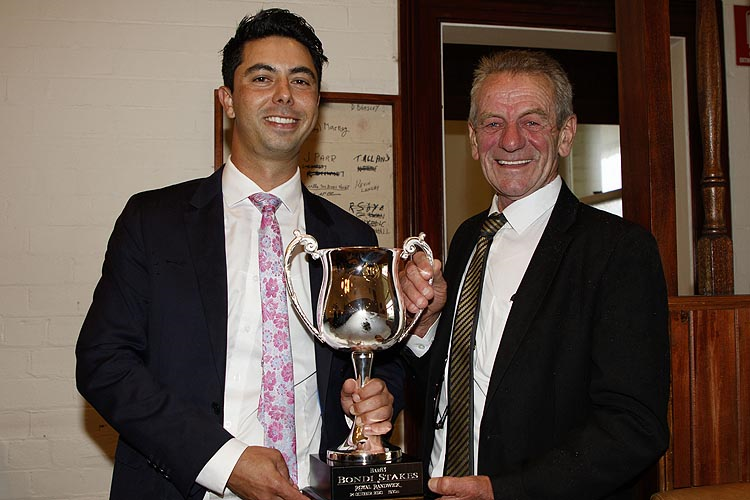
[(420, 345), (215, 474)]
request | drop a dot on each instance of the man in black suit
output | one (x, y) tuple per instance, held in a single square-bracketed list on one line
[(171, 350), (568, 351)]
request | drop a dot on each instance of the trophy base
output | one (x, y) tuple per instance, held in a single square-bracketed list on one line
[(356, 457), (398, 479)]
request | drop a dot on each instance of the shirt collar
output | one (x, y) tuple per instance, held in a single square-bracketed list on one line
[(237, 187), (524, 212)]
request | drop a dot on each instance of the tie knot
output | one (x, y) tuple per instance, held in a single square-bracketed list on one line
[(492, 224), (265, 202)]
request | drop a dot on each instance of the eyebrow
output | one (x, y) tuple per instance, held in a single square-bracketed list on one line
[(267, 67), (536, 111)]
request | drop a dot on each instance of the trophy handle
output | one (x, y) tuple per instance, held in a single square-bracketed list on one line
[(311, 247), (410, 247)]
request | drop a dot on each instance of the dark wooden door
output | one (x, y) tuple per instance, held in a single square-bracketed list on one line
[(642, 30)]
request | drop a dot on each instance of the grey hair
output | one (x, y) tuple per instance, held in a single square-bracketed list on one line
[(526, 62)]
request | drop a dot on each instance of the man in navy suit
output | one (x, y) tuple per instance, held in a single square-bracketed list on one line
[(569, 381), (170, 351)]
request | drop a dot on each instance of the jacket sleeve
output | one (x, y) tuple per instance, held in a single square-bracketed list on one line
[(115, 369)]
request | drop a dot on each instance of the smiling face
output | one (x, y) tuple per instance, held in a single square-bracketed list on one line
[(274, 104), (515, 137)]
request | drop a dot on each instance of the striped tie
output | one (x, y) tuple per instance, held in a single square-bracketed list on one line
[(459, 453)]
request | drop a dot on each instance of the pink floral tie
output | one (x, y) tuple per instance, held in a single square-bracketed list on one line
[(276, 405)]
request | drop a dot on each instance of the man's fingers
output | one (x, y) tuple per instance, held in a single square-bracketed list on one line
[(373, 387), (462, 488), (416, 289), (438, 485), (377, 428), (260, 474)]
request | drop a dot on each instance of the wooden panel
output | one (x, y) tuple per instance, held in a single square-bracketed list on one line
[(677, 458), (714, 426), (710, 396), (743, 392)]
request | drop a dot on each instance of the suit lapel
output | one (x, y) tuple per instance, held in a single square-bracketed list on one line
[(318, 224), (204, 223), (535, 283)]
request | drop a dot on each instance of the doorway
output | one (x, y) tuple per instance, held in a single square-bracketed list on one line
[(593, 170)]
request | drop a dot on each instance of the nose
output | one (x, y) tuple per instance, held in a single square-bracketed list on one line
[(513, 138), (283, 93)]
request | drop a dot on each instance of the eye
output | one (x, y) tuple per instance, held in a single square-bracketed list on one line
[(534, 122), (301, 81), (491, 125)]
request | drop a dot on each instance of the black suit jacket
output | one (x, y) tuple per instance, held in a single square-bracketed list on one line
[(577, 401), (152, 349)]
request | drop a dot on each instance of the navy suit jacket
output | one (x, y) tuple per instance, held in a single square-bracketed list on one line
[(152, 350), (577, 401)]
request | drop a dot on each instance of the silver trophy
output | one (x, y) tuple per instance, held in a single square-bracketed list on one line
[(360, 309)]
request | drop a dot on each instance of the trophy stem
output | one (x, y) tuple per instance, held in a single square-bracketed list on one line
[(358, 448), (362, 361)]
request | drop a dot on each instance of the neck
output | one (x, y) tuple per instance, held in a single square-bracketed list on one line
[(266, 174)]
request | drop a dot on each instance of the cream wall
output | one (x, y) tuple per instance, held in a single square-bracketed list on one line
[(100, 99), (738, 119)]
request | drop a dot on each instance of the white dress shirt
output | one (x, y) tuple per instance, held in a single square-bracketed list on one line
[(244, 331), (509, 256)]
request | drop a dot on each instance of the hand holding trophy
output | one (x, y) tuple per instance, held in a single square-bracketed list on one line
[(360, 309)]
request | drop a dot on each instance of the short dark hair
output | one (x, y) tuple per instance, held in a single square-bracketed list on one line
[(270, 22), (530, 62)]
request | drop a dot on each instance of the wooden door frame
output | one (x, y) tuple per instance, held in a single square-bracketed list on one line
[(642, 30)]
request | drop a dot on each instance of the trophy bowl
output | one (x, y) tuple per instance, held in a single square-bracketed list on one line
[(360, 309)]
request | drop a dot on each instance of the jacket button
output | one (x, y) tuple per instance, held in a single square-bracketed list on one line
[(216, 408)]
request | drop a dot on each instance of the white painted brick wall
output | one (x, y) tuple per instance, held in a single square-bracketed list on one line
[(100, 99)]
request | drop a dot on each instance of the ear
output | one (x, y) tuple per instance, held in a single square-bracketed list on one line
[(473, 142), (225, 96), (567, 133)]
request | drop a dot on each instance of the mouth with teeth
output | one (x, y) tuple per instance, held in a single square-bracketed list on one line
[(281, 120), (513, 162)]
